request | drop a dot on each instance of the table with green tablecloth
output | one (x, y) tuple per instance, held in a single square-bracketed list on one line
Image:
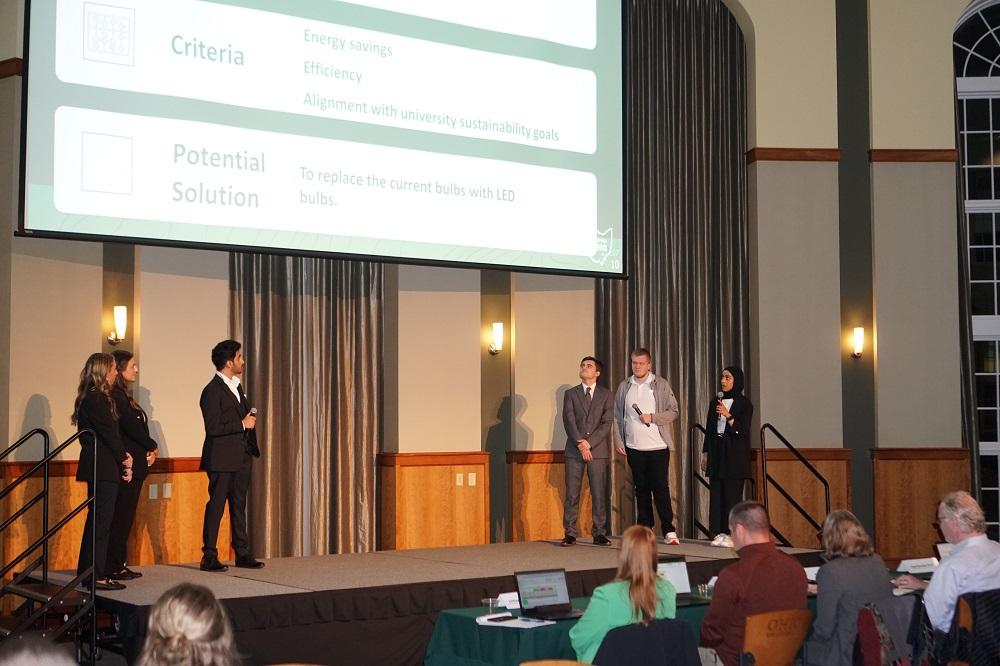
[(459, 641)]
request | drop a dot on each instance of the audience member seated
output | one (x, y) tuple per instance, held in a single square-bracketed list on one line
[(188, 626), (35, 652), (637, 594), (763, 580), (853, 576), (973, 566)]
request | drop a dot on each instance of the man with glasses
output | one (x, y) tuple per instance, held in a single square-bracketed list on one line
[(973, 566)]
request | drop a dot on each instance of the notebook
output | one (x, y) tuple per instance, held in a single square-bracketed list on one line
[(545, 595)]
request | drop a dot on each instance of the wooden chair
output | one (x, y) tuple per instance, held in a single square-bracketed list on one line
[(773, 639)]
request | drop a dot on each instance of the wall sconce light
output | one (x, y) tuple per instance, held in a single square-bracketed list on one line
[(121, 322), (859, 341), (497, 345)]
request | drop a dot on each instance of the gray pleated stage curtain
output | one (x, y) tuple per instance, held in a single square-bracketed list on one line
[(686, 298), (312, 333)]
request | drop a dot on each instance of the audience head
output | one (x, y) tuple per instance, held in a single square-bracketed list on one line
[(637, 565), (187, 625), (32, 652), (749, 524), (845, 536), (225, 352), (960, 516)]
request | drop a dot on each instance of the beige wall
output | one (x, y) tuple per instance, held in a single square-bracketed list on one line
[(11, 28), (438, 337), (912, 78), (792, 68), (795, 300), (918, 389), (554, 329), (183, 298)]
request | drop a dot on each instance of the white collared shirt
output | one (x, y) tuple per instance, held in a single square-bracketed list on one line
[(638, 435), (233, 384), (973, 566), (585, 386)]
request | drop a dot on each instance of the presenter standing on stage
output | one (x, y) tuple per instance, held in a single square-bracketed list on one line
[(134, 429), (587, 418), (725, 455), (227, 456), (94, 412), (645, 408)]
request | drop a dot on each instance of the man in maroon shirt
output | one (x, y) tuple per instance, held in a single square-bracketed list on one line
[(763, 580)]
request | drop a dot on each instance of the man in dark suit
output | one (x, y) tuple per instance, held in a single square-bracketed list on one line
[(587, 417), (227, 456)]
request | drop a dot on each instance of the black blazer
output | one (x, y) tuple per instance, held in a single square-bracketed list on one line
[(729, 453), (95, 414), (226, 440), (134, 432)]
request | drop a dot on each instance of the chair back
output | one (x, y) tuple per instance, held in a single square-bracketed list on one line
[(773, 639), (869, 642), (975, 632), (661, 642)]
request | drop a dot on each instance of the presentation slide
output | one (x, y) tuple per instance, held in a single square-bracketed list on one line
[(443, 131)]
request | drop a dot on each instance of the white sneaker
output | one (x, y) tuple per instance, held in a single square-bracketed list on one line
[(722, 540), (671, 539)]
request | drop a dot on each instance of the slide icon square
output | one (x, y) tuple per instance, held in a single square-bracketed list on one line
[(106, 163), (108, 34)]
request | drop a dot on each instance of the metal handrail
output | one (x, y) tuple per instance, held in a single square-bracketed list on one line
[(696, 475), (767, 478), (87, 607)]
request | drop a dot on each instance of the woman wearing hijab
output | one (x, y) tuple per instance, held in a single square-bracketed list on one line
[(725, 456), (134, 429)]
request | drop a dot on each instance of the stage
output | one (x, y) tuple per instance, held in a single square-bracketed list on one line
[(376, 608)]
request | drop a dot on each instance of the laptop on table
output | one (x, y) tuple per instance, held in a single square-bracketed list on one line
[(545, 595)]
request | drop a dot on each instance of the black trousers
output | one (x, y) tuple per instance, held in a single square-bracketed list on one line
[(231, 487), (651, 476), (121, 523), (723, 495), (101, 513)]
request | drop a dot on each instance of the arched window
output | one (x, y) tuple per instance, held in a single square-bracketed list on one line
[(977, 82)]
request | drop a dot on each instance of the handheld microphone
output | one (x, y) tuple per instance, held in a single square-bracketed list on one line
[(638, 411), (253, 411), (719, 396)]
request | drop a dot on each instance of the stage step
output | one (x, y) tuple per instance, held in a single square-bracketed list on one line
[(8, 623), (44, 592)]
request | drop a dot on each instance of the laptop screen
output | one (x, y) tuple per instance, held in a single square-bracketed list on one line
[(538, 589)]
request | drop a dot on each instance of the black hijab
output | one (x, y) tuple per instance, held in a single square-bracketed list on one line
[(738, 381)]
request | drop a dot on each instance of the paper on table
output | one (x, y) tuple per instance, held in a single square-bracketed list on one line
[(508, 600), (485, 619), (899, 591), (811, 573), (918, 566)]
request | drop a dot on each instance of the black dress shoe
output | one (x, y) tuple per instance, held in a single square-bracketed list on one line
[(108, 585), (212, 565), (568, 540), (249, 563), (601, 540), (125, 574)]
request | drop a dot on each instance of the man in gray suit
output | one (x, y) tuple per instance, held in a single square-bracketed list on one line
[(587, 417)]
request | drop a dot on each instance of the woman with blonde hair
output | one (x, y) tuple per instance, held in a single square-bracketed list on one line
[(94, 413), (854, 575), (636, 595), (187, 625)]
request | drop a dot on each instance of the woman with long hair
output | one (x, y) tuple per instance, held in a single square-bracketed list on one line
[(854, 575), (188, 626), (725, 456), (133, 425), (636, 595), (94, 412)]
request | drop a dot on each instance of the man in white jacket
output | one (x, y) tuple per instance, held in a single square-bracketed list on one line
[(641, 402)]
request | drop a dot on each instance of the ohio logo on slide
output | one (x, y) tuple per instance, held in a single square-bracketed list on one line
[(605, 244)]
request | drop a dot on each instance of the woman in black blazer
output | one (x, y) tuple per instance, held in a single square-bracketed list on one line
[(94, 410), (725, 455), (134, 429)]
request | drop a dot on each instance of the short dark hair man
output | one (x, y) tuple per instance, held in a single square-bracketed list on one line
[(764, 579), (645, 409), (587, 418), (227, 456)]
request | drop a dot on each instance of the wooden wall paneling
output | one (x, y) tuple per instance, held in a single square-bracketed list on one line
[(537, 482), (834, 464), (908, 485), (165, 531), (423, 504)]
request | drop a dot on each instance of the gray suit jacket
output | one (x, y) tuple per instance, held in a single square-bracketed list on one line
[(592, 423)]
